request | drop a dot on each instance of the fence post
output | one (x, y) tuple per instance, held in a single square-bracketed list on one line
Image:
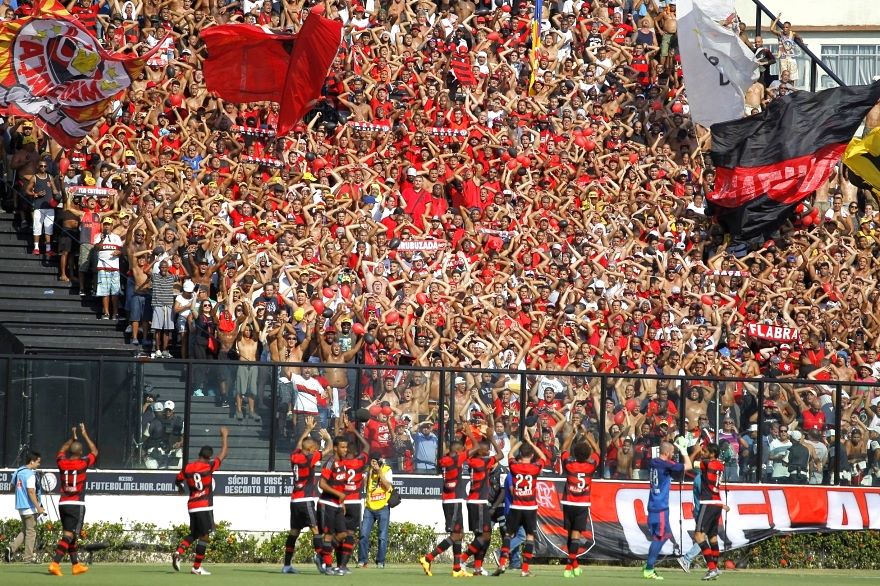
[(273, 419), (603, 397), (813, 75), (758, 20), (97, 422), (759, 451), (838, 446), (441, 411), (523, 398), (187, 411)]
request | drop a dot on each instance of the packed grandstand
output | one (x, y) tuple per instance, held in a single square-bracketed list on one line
[(454, 201)]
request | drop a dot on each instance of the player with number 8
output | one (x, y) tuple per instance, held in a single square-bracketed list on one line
[(198, 478), (72, 467)]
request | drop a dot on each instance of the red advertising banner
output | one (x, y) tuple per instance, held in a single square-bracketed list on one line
[(757, 512)]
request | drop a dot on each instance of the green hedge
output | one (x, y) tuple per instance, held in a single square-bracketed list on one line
[(407, 541)]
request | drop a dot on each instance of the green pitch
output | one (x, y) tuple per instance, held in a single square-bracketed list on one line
[(235, 575)]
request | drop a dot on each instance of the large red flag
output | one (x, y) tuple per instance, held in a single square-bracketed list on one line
[(247, 64)]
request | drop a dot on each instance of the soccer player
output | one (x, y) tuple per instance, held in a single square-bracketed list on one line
[(689, 556), (524, 472), (356, 461), (481, 465), (711, 506), (661, 470), (305, 492), (578, 467), (331, 505), (454, 493), (72, 468), (198, 478)]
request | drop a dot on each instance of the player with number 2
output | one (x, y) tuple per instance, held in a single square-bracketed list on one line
[(198, 478)]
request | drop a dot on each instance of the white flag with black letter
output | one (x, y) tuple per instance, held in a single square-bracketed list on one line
[(718, 66)]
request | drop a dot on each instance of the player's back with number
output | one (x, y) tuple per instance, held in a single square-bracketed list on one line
[(73, 471), (578, 479), (661, 472), (524, 478), (712, 473), (198, 477)]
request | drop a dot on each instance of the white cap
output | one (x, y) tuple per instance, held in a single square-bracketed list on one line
[(411, 172), (158, 406), (875, 401), (795, 435), (169, 405), (188, 286), (460, 380)]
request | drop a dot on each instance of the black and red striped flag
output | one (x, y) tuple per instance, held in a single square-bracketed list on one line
[(788, 150), (767, 163)]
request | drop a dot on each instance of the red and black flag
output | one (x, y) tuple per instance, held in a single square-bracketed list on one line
[(769, 162)]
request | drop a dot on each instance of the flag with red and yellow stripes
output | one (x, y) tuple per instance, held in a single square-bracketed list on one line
[(536, 43)]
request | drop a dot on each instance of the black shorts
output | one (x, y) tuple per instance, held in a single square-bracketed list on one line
[(201, 523), (575, 518), (517, 518), (707, 520), (332, 519), (72, 517), (454, 515), (66, 238), (479, 518), (302, 515), (353, 516)]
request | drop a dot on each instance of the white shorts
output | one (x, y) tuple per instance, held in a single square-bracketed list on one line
[(108, 284), (44, 222), (162, 319)]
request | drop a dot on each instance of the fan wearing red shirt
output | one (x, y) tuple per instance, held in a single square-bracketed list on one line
[(72, 469), (303, 461), (524, 472), (198, 478), (578, 468)]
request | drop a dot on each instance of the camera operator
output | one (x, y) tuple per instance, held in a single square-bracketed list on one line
[(378, 492), (164, 437)]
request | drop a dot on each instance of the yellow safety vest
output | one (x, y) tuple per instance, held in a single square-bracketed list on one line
[(377, 496)]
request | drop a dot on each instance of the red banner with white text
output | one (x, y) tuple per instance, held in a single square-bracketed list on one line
[(757, 512)]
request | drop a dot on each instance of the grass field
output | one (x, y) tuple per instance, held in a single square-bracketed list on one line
[(240, 575)]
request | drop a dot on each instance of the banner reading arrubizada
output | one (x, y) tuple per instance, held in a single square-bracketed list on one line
[(757, 512)]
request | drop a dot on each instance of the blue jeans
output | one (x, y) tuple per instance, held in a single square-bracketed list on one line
[(383, 516), (515, 554)]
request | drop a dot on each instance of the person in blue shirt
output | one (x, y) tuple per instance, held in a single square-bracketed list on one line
[(27, 503), (661, 471)]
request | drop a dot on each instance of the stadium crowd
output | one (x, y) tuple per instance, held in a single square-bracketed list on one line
[(447, 205)]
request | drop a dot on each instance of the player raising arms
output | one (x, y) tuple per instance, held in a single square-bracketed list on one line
[(661, 470), (356, 461), (711, 506), (481, 464), (578, 467), (72, 467), (331, 505), (525, 467), (305, 492), (198, 478), (453, 495)]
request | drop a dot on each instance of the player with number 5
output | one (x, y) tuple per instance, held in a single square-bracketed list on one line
[(72, 467), (198, 478)]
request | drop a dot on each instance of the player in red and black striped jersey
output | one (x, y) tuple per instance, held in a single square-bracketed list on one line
[(481, 464), (198, 478), (711, 506), (578, 468), (331, 505), (525, 467), (453, 495), (304, 495), (72, 468), (356, 462)]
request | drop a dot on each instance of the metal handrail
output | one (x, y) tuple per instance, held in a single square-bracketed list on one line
[(815, 61)]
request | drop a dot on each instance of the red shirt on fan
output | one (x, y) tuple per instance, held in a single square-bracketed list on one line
[(378, 434), (73, 478), (198, 477)]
